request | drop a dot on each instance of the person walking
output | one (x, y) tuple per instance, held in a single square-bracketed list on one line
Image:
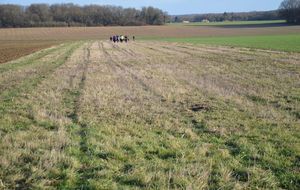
[(122, 38)]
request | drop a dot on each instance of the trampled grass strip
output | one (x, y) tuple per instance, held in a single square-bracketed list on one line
[(78, 129)]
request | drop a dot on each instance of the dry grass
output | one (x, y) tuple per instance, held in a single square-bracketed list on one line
[(150, 115)]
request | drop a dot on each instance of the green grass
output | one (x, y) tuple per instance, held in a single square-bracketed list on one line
[(289, 43), (226, 23)]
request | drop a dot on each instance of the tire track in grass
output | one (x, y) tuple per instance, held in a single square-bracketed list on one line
[(82, 128), (83, 132), (144, 86), (127, 51)]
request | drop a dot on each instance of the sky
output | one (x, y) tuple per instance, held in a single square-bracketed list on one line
[(174, 7)]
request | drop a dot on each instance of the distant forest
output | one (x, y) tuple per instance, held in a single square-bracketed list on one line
[(44, 15), (227, 16)]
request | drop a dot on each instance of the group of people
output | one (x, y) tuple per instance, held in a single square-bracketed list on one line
[(120, 38)]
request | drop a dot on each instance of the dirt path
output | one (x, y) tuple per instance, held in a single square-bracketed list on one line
[(150, 115)]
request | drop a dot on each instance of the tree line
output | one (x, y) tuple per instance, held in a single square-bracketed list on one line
[(37, 15), (228, 16), (288, 10)]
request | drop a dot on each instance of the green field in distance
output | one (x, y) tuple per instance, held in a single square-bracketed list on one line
[(289, 43)]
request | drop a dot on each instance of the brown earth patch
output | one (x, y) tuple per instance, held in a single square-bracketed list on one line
[(84, 33), (10, 50)]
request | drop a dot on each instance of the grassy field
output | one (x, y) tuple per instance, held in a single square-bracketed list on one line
[(289, 43), (193, 109), (17, 42), (150, 115)]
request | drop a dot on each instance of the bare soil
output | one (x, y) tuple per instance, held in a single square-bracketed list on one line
[(82, 33), (13, 49)]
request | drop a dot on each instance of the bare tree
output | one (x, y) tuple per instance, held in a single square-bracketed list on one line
[(38, 13), (152, 16), (290, 10), (11, 16), (74, 15)]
